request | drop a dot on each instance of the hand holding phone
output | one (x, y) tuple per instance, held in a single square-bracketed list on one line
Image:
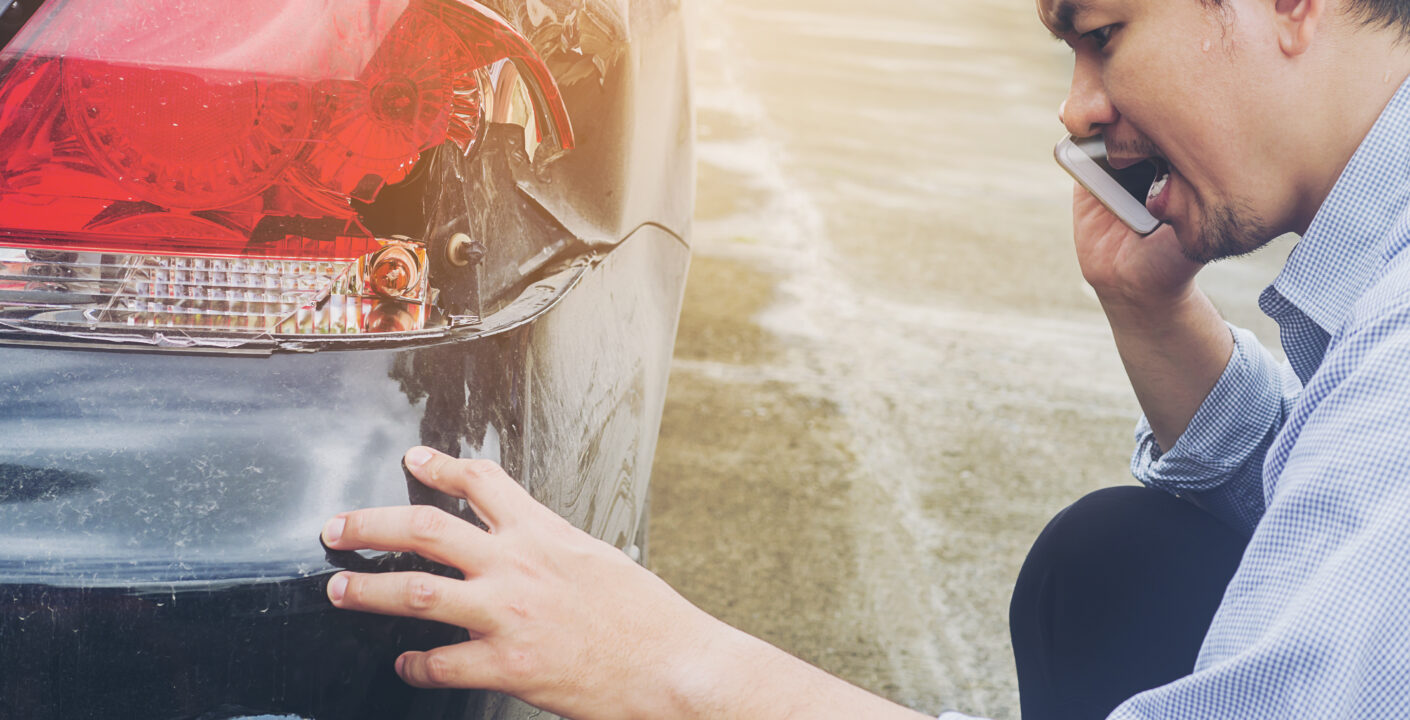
[(1123, 192)]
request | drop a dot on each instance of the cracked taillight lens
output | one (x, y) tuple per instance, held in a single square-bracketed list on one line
[(200, 165)]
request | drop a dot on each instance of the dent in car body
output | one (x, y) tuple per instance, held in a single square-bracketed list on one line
[(191, 556), (162, 507), (623, 71)]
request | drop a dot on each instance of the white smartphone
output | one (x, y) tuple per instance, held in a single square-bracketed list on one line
[(1123, 192)]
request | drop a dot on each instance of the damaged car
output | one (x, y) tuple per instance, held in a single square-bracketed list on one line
[(250, 252)]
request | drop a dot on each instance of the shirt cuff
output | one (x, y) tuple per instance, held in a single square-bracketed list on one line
[(952, 715), (1230, 428)]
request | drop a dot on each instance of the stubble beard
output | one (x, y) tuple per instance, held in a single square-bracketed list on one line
[(1225, 231)]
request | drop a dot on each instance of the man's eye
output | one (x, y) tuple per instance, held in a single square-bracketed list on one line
[(1101, 36)]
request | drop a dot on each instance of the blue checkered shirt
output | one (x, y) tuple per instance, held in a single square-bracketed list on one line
[(1313, 458)]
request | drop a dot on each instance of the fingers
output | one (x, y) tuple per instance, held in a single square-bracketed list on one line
[(427, 531), (495, 496), (412, 594), (435, 534), (463, 665)]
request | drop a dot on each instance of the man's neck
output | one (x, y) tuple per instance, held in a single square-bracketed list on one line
[(1350, 93)]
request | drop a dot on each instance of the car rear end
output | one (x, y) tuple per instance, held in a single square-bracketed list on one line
[(251, 252)]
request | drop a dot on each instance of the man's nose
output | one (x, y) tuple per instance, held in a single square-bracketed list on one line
[(1087, 108)]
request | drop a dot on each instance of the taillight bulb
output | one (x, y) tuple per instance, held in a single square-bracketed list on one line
[(395, 272)]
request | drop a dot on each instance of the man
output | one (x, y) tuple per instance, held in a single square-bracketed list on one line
[(1266, 116)]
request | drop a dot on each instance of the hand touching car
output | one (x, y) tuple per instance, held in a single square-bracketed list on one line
[(562, 620)]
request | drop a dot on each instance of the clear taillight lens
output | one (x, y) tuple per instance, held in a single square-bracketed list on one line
[(382, 292), (166, 163)]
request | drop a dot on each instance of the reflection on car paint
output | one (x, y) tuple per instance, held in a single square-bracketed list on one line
[(160, 504), (227, 563)]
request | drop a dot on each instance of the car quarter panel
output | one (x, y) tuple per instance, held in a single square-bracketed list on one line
[(159, 512)]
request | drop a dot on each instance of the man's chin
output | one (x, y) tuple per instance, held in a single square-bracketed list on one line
[(1222, 233)]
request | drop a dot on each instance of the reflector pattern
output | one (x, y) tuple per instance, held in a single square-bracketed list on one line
[(234, 295), (170, 164)]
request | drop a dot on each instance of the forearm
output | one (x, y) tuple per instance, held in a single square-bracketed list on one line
[(1173, 354), (734, 675)]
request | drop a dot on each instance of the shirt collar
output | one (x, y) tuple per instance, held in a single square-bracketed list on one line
[(1346, 244)]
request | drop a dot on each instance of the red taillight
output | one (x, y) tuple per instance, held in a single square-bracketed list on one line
[(149, 130), (419, 85), (213, 143)]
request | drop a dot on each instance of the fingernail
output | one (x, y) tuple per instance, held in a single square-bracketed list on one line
[(337, 586), (417, 456), (401, 663), (333, 531)]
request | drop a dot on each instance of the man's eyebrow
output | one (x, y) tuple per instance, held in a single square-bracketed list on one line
[(1064, 17)]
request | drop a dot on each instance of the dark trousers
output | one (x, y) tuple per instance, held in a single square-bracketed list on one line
[(1115, 598)]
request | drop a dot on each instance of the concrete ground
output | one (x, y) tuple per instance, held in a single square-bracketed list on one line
[(889, 374)]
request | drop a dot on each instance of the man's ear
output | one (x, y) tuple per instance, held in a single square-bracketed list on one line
[(1297, 22)]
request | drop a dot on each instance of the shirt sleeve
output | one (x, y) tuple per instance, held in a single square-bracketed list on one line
[(1218, 461), (1315, 622)]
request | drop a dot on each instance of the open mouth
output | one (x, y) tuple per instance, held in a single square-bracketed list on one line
[(1158, 196)]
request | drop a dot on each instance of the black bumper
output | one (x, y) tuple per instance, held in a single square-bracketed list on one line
[(159, 512)]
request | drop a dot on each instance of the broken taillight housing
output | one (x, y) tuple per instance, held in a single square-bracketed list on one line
[(204, 166)]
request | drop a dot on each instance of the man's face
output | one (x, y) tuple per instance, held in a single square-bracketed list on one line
[(1187, 85)]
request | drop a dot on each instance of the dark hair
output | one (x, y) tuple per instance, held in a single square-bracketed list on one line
[(1391, 14), (1387, 14)]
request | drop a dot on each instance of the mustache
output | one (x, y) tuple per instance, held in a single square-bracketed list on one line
[(1139, 148)]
